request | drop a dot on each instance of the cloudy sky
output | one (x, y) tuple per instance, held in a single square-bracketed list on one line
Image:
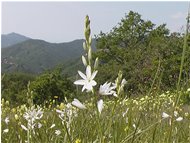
[(64, 21)]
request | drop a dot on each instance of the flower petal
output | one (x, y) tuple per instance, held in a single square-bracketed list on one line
[(80, 82), (100, 105), (93, 75), (82, 75), (93, 83), (88, 72), (78, 104)]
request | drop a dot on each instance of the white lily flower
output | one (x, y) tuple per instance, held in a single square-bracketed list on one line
[(87, 80), (78, 104), (179, 119), (100, 105), (7, 120), (57, 132), (165, 115), (106, 89)]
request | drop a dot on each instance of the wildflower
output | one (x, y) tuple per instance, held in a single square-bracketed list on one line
[(106, 89), (87, 80), (78, 141), (7, 120), (78, 104), (175, 113), (165, 115), (31, 116), (179, 119), (52, 126), (6, 131), (100, 105), (57, 132)]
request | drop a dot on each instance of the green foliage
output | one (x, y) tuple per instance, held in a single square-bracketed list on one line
[(14, 87), (52, 85), (144, 52)]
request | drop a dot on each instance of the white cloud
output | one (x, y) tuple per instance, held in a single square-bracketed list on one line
[(178, 15)]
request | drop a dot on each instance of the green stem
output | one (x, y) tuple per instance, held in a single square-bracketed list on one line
[(67, 131)]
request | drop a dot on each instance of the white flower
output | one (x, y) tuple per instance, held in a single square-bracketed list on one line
[(175, 113), (57, 132), (5, 130), (106, 89), (33, 114), (39, 125), (7, 120), (78, 104), (87, 80), (165, 115), (100, 105), (179, 119), (24, 127), (52, 126)]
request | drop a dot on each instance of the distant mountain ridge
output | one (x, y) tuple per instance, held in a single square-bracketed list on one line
[(36, 56), (12, 39)]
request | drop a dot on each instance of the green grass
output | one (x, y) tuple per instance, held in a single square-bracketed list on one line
[(112, 125)]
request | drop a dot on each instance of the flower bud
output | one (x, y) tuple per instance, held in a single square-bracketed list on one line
[(89, 54), (16, 117), (96, 63), (84, 61), (84, 46)]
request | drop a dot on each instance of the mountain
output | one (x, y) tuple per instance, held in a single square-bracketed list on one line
[(36, 56), (12, 39)]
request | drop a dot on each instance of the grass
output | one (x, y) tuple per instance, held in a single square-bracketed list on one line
[(143, 122)]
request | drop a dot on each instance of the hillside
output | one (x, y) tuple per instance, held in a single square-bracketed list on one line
[(36, 56), (12, 39)]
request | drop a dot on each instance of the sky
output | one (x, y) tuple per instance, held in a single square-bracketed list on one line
[(58, 22)]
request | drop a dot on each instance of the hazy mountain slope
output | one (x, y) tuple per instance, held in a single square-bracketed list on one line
[(12, 39), (35, 56)]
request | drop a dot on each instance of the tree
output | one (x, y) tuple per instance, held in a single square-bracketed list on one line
[(147, 54)]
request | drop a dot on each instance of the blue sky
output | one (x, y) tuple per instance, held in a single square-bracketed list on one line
[(64, 21)]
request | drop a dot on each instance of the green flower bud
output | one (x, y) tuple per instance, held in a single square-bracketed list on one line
[(84, 46), (89, 54), (96, 63), (16, 117)]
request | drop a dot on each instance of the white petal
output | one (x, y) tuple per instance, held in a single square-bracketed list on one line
[(88, 86), (78, 104), (53, 125), (93, 75), (24, 127), (82, 75), (93, 83), (100, 105), (179, 119), (175, 113), (80, 82), (5, 130), (165, 115), (88, 72)]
